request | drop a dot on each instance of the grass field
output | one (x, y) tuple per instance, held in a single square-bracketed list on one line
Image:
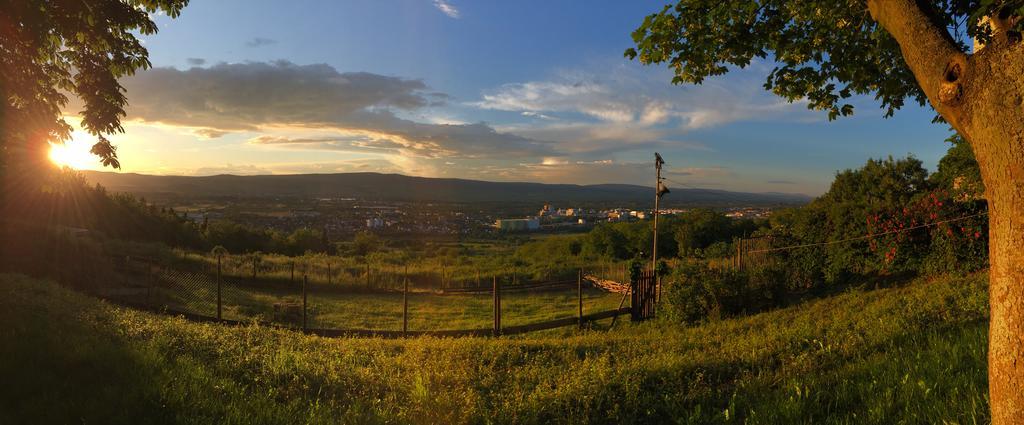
[(908, 354), (331, 308)]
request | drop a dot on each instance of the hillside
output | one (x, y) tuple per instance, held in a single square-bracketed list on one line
[(908, 354), (394, 187)]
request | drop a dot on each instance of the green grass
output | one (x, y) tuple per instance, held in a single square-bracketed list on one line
[(330, 308), (909, 354)]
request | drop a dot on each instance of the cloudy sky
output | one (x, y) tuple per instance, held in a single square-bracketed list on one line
[(505, 91)]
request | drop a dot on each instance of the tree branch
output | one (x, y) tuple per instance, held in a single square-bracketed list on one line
[(936, 61)]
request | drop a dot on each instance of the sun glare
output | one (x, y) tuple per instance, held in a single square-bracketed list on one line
[(74, 154)]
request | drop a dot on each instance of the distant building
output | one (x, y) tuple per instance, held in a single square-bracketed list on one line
[(374, 223), (518, 224), (546, 211)]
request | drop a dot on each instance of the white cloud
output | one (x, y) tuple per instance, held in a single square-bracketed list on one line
[(258, 97), (445, 7), (628, 97), (535, 97), (238, 170)]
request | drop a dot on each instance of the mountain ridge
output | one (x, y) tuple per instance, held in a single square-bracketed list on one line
[(398, 187)]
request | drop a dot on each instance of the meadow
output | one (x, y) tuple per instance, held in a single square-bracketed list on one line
[(913, 352), (338, 307)]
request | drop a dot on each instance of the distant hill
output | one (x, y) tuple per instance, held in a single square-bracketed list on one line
[(395, 187)]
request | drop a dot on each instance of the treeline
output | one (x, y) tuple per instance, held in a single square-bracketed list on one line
[(67, 200), (919, 223)]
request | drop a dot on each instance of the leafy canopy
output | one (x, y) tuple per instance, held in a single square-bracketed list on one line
[(825, 51), (50, 49)]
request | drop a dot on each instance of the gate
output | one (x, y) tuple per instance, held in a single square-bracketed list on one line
[(644, 294)]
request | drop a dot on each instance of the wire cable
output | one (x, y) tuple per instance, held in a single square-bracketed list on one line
[(920, 226)]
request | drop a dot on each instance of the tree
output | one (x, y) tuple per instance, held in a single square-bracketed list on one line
[(827, 51), (52, 49), (364, 243), (958, 171), (701, 227)]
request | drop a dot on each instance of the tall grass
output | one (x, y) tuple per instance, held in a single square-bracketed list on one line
[(908, 354)]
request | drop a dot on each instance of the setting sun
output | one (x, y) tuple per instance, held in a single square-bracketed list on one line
[(74, 154)]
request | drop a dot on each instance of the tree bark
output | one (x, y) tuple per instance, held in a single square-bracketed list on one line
[(982, 96)]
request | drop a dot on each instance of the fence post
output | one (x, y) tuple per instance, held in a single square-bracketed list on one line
[(497, 308), (254, 268), (405, 303), (739, 253), (328, 273), (218, 288), (292, 280), (305, 280), (579, 295), (367, 275), (634, 297)]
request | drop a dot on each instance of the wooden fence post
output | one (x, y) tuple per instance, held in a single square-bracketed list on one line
[(292, 279), (305, 280), (367, 275), (634, 296), (218, 289), (497, 308), (579, 295), (328, 273), (405, 304), (254, 268), (739, 253)]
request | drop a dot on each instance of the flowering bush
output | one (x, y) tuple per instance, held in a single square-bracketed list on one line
[(934, 233)]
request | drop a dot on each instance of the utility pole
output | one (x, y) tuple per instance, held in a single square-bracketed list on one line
[(659, 190)]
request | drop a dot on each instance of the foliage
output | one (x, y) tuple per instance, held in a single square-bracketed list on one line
[(365, 243), (823, 51), (884, 196), (696, 293), (958, 171), (52, 49), (960, 245), (66, 200)]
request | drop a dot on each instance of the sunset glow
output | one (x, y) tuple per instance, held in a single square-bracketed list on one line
[(74, 154)]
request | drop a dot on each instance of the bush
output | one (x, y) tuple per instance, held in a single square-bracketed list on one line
[(696, 293)]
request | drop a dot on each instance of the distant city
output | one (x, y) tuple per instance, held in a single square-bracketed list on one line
[(343, 216)]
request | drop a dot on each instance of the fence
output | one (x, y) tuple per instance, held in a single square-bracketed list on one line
[(373, 275), (304, 306), (750, 253)]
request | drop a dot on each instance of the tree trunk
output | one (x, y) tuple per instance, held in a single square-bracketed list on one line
[(994, 125), (982, 96)]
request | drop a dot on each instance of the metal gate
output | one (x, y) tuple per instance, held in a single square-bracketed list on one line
[(644, 294)]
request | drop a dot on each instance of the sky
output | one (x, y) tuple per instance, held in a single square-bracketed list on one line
[(491, 90)]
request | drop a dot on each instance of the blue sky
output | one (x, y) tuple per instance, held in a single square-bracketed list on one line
[(511, 91)]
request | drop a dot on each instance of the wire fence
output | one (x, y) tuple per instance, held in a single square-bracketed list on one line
[(389, 310), (371, 275)]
